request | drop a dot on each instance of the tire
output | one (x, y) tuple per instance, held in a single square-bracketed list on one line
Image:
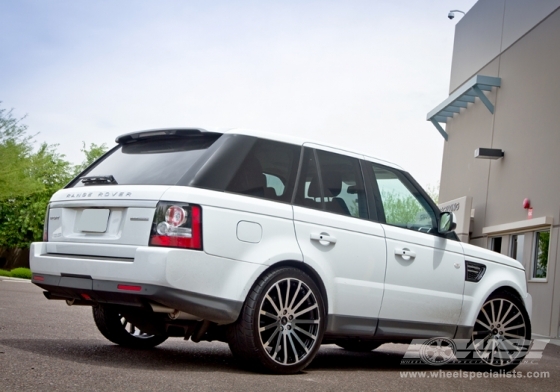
[(116, 328), (502, 333), (281, 325), (359, 346)]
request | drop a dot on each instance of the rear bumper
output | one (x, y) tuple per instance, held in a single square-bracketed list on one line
[(219, 310), (206, 286)]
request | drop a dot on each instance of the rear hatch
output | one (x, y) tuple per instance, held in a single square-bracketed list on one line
[(107, 210)]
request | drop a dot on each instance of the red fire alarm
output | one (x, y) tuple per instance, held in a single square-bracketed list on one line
[(526, 203)]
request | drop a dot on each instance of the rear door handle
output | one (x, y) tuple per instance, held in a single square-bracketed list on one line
[(405, 252), (323, 238)]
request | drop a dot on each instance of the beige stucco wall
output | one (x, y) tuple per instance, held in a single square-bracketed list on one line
[(461, 174), (489, 28), (522, 47)]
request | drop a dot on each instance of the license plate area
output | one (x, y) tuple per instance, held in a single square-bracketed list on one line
[(93, 220)]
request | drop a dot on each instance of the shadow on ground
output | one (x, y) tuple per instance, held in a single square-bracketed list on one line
[(203, 357)]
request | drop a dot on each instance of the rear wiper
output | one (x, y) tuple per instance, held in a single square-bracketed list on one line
[(99, 180)]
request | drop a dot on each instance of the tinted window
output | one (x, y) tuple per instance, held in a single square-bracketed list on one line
[(153, 161), (343, 186), (309, 192), (403, 205), (339, 188), (268, 171)]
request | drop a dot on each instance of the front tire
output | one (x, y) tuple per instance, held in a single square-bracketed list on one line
[(281, 325), (115, 327), (502, 333)]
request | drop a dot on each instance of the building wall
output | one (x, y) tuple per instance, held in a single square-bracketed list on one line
[(518, 41), (489, 28)]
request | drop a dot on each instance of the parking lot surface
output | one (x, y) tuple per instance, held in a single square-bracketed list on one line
[(49, 346)]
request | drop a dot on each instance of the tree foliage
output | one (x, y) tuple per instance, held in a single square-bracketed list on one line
[(28, 179), (543, 243), (433, 192), (15, 155), (92, 153), (400, 210)]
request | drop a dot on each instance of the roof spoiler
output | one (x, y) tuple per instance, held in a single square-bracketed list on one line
[(181, 132)]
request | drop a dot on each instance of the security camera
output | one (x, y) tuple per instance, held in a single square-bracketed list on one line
[(451, 13)]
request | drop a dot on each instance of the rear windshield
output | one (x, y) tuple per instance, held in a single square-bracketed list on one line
[(153, 161)]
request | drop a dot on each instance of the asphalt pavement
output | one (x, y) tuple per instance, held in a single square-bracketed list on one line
[(49, 346)]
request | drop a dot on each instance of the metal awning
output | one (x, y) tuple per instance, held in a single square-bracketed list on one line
[(473, 88)]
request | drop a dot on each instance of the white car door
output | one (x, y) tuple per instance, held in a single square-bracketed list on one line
[(337, 240), (425, 272)]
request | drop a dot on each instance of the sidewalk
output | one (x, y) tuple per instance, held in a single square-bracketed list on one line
[(9, 279), (556, 342)]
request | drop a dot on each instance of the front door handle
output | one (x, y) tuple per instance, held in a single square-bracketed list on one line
[(323, 238), (405, 252)]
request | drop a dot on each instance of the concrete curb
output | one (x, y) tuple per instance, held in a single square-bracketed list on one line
[(7, 278)]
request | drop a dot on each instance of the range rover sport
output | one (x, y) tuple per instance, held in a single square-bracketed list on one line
[(272, 244)]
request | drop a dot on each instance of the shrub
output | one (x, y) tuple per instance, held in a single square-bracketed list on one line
[(23, 273), (5, 273)]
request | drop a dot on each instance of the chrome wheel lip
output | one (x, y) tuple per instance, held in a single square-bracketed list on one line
[(132, 330), (499, 333), (291, 310)]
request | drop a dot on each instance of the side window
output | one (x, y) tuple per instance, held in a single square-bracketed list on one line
[(268, 171), (403, 205), (343, 186), (540, 255), (308, 192), (496, 244)]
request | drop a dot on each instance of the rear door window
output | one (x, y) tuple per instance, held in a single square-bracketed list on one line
[(338, 189), (343, 185), (268, 171)]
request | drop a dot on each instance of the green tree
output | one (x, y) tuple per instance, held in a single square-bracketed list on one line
[(15, 157), (433, 192), (49, 168), (91, 154), (543, 241), (28, 179), (399, 209)]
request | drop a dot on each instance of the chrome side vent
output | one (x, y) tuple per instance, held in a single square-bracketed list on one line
[(474, 271)]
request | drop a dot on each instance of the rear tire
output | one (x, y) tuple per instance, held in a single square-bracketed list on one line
[(116, 328), (281, 325)]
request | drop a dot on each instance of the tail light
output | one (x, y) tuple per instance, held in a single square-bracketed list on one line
[(46, 226), (177, 225)]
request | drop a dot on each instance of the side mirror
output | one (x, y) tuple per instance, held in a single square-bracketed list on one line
[(446, 223)]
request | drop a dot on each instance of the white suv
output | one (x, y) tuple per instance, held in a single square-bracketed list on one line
[(274, 245)]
